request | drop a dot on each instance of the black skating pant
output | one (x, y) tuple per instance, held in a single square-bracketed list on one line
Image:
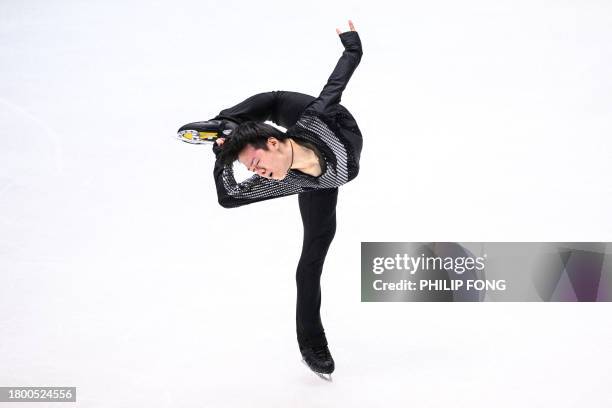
[(317, 207)]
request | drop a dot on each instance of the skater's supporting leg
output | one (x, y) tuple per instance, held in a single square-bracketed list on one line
[(318, 210), (281, 107)]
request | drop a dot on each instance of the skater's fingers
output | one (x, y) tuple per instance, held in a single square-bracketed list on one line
[(351, 27), (220, 141)]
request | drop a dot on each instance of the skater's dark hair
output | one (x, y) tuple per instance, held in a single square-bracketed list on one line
[(248, 133)]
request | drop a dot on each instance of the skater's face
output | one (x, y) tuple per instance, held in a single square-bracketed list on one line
[(272, 163)]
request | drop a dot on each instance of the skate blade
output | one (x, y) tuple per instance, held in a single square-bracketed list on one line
[(195, 137), (323, 376)]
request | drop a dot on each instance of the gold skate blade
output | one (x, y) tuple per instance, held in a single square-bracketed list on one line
[(193, 136), (208, 135)]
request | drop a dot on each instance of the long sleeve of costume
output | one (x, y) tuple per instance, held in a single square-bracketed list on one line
[(232, 194), (348, 62)]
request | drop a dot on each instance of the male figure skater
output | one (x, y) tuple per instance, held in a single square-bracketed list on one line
[(319, 152)]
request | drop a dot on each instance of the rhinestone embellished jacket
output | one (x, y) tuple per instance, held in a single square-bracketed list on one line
[(324, 123)]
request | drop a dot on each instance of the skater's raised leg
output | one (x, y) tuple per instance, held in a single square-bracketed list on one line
[(280, 107)]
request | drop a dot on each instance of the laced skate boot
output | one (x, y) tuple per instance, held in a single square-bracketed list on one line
[(319, 360), (207, 131)]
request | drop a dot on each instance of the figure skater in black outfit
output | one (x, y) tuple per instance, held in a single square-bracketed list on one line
[(319, 152)]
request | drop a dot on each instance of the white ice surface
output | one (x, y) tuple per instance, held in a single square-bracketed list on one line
[(121, 275)]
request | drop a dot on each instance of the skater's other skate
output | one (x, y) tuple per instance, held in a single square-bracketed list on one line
[(319, 360), (207, 131)]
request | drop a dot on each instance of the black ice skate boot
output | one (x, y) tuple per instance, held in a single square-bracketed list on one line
[(319, 360), (207, 131)]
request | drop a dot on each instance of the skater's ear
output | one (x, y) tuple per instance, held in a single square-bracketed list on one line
[(273, 141)]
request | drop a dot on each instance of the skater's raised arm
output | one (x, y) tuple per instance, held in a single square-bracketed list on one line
[(332, 91)]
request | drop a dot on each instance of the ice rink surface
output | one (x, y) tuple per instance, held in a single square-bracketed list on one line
[(122, 276)]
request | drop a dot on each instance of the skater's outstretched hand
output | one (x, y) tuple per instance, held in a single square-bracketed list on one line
[(220, 141), (351, 26)]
